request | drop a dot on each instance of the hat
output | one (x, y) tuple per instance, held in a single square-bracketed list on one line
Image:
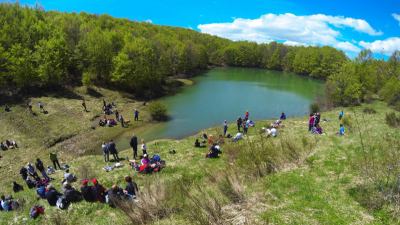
[(94, 181), (85, 182), (145, 155)]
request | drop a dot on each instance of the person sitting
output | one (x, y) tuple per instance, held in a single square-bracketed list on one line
[(341, 130), (317, 129), (271, 132), (69, 177), (7, 108), (11, 144), (3, 146), (283, 116), (205, 137), (276, 124), (50, 170), (52, 195), (214, 151), (17, 187), (6, 203), (99, 190), (145, 160), (87, 191), (111, 122), (131, 187), (197, 143), (237, 137), (71, 194), (114, 195), (102, 122)]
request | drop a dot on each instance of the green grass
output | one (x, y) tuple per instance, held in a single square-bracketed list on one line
[(314, 180)]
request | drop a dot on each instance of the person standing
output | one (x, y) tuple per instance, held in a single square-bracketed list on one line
[(239, 122), (341, 114), (106, 152), (134, 143), (39, 166), (84, 105), (121, 120), (136, 113), (225, 128), (54, 159), (113, 150), (144, 147), (245, 127), (116, 115)]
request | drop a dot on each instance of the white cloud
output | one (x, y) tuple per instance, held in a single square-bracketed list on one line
[(148, 21), (318, 29), (387, 46), (396, 17), (347, 46)]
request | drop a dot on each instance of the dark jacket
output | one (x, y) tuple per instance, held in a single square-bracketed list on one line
[(88, 193), (39, 165), (100, 192), (111, 148), (72, 195), (52, 196), (131, 188), (134, 142)]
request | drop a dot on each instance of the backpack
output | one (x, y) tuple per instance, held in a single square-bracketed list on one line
[(41, 191), (36, 211), (62, 203)]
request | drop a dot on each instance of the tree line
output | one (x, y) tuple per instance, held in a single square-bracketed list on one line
[(45, 49)]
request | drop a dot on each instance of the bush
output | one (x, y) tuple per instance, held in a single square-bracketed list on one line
[(158, 111), (369, 110), (314, 108), (347, 122), (392, 119)]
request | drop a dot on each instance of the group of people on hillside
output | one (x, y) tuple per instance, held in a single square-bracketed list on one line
[(108, 109), (8, 144), (244, 123)]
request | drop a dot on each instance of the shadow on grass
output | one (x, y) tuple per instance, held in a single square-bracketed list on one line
[(368, 197)]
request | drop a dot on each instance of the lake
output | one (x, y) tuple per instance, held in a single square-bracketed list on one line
[(227, 93)]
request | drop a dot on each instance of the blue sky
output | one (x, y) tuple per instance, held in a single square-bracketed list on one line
[(346, 24)]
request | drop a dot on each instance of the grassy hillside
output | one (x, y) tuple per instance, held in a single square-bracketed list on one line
[(295, 178)]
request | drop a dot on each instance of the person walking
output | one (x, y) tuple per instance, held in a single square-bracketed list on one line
[(106, 152), (225, 127), (54, 159), (113, 150), (239, 122), (136, 114), (39, 166), (134, 143)]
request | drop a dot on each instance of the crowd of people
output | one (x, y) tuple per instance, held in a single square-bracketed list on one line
[(92, 191)]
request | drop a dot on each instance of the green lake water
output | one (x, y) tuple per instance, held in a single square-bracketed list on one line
[(227, 93)]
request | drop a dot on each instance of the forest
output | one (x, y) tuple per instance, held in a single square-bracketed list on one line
[(47, 49)]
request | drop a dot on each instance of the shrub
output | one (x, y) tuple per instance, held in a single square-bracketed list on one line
[(347, 122), (369, 110), (314, 108), (158, 111), (392, 119)]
